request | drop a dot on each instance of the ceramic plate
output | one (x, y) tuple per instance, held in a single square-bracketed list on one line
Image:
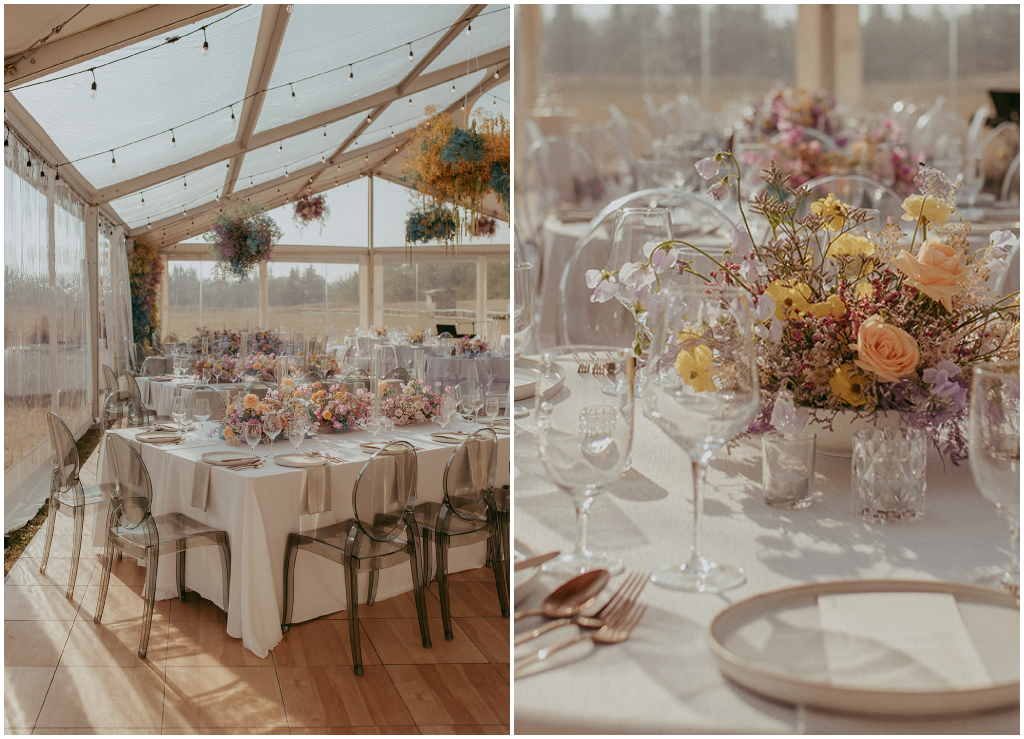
[(448, 438), (525, 580), (775, 645), (227, 459), (298, 460), (371, 447), (526, 374)]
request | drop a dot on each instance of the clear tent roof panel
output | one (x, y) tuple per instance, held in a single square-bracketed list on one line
[(171, 197), (490, 33), (146, 96), (338, 35), (400, 116), (269, 162)]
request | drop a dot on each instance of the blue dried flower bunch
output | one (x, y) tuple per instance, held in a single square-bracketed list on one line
[(432, 224)]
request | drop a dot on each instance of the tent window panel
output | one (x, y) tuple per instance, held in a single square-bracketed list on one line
[(425, 294), (197, 297), (314, 299), (73, 368)]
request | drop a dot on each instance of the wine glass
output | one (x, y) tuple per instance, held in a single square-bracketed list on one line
[(178, 405), (523, 316), (993, 439), (584, 438), (207, 374), (272, 427), (702, 391), (189, 419), (491, 404), (298, 428), (202, 412), (447, 410), (253, 433), (473, 399)]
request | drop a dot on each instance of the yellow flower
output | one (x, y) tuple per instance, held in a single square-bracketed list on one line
[(383, 386), (926, 207), (262, 408), (849, 384), (317, 386), (228, 433), (296, 394), (288, 382), (864, 290), (327, 415), (251, 401), (694, 366), (257, 366), (338, 395), (833, 212), (834, 307), (848, 245), (790, 300)]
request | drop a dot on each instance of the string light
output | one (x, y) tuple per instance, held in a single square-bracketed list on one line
[(323, 159), (286, 173), (206, 45), (174, 142), (93, 93), (325, 132), (29, 160), (113, 162), (410, 53), (292, 89), (185, 183), (280, 147), (494, 102), (495, 74), (469, 29), (351, 77), (56, 177), (392, 132), (143, 199), (453, 85), (410, 102), (232, 111), (369, 118)]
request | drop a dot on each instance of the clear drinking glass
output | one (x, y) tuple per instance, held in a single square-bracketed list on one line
[(889, 474), (202, 412), (297, 429), (993, 439), (584, 439), (253, 433), (272, 427), (523, 316), (178, 406), (473, 400), (787, 469), (207, 374), (491, 406), (702, 391)]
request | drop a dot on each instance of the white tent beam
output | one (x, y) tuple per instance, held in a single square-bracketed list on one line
[(273, 25), (295, 128), (96, 41)]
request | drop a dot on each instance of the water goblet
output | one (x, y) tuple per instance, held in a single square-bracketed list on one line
[(272, 427), (584, 439), (491, 405), (253, 433), (993, 438), (202, 413), (473, 399), (189, 419), (702, 391), (298, 428), (207, 373), (178, 411)]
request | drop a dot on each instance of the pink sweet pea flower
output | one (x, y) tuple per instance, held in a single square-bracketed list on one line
[(707, 167)]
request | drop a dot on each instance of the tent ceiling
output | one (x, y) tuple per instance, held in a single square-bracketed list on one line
[(258, 56)]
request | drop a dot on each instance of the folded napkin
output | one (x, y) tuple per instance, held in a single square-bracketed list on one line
[(451, 436), (316, 498), (372, 446), (201, 484), (162, 427)]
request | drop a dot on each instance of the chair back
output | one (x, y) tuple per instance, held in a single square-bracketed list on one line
[(131, 502), (382, 490), (63, 453), (259, 388), (110, 378), (469, 476), (398, 373), (133, 385), (859, 191), (217, 404), (172, 338), (122, 408), (560, 175), (153, 367), (609, 158)]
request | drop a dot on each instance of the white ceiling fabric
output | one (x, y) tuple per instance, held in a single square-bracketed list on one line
[(490, 33), (171, 197)]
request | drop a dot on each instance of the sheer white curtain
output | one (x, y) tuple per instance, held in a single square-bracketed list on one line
[(71, 320), (115, 309)]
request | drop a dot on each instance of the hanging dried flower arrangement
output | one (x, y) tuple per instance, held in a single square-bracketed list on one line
[(438, 223), (241, 238), (457, 168), (481, 227), (311, 208)]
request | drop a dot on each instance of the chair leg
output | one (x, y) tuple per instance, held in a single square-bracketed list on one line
[(76, 549), (442, 584), (179, 571), (499, 574), (152, 559), (421, 604), (101, 600), (51, 515), (371, 588), (289, 585), (352, 595), (225, 563)]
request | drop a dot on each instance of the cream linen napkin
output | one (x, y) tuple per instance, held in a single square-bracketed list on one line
[(902, 641), (317, 495), (201, 484)]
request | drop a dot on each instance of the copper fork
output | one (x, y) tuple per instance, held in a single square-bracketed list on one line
[(616, 630), (622, 599)]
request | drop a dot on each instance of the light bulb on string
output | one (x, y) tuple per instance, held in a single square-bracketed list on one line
[(410, 102), (184, 183), (143, 199), (494, 102), (292, 89), (325, 132), (280, 147), (496, 74), (174, 141), (350, 75), (323, 158), (392, 132), (369, 118), (56, 177), (93, 91), (232, 111), (453, 85), (113, 161), (410, 53), (286, 173), (206, 44), (469, 29)]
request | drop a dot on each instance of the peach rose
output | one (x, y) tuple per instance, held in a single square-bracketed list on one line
[(251, 401), (936, 270), (885, 350)]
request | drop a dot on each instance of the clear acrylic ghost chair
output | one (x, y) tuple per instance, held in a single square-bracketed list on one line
[(152, 367), (859, 191), (398, 373), (807, 135), (134, 529), (633, 136), (356, 378), (563, 177), (68, 495), (259, 388), (612, 162), (110, 379), (467, 515), (380, 534), (1010, 189), (148, 414), (695, 218), (217, 404), (121, 409)]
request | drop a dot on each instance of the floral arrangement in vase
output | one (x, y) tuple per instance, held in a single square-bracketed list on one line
[(246, 407), (786, 108), (411, 402), (379, 332), (417, 336), (263, 366), (311, 208), (881, 153), (330, 410), (323, 364), (241, 238), (223, 365), (470, 347)]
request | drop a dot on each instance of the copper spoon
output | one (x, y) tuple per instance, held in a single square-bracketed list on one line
[(572, 597)]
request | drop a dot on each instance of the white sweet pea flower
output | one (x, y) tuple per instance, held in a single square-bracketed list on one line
[(1001, 246), (719, 190), (603, 285), (707, 167), (594, 277), (661, 259), (751, 269), (741, 243)]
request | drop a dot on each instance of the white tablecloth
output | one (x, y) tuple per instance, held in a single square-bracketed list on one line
[(453, 370), (260, 508), (162, 394), (664, 679)]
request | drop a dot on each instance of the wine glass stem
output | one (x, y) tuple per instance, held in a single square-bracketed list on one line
[(696, 560), (582, 518), (1015, 549)]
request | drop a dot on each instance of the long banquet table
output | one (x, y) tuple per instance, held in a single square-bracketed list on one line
[(664, 679), (159, 395), (259, 508)]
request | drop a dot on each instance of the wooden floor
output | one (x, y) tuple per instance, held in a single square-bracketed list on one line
[(64, 674)]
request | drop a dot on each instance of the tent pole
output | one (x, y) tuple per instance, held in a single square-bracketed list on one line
[(264, 296), (370, 276), (92, 249), (481, 296)]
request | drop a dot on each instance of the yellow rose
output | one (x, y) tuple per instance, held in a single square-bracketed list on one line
[(936, 271), (928, 207), (327, 415), (849, 384), (833, 212), (262, 408), (834, 307), (251, 401), (694, 366), (317, 386), (848, 245), (296, 394), (885, 350), (288, 382), (257, 366), (228, 433), (790, 300)]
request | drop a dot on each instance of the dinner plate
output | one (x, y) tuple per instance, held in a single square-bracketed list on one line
[(775, 644), (372, 446), (448, 438), (291, 459), (227, 459), (151, 436), (526, 373), (525, 580)]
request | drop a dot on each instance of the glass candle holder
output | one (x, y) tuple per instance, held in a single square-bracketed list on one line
[(888, 474), (788, 468)]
